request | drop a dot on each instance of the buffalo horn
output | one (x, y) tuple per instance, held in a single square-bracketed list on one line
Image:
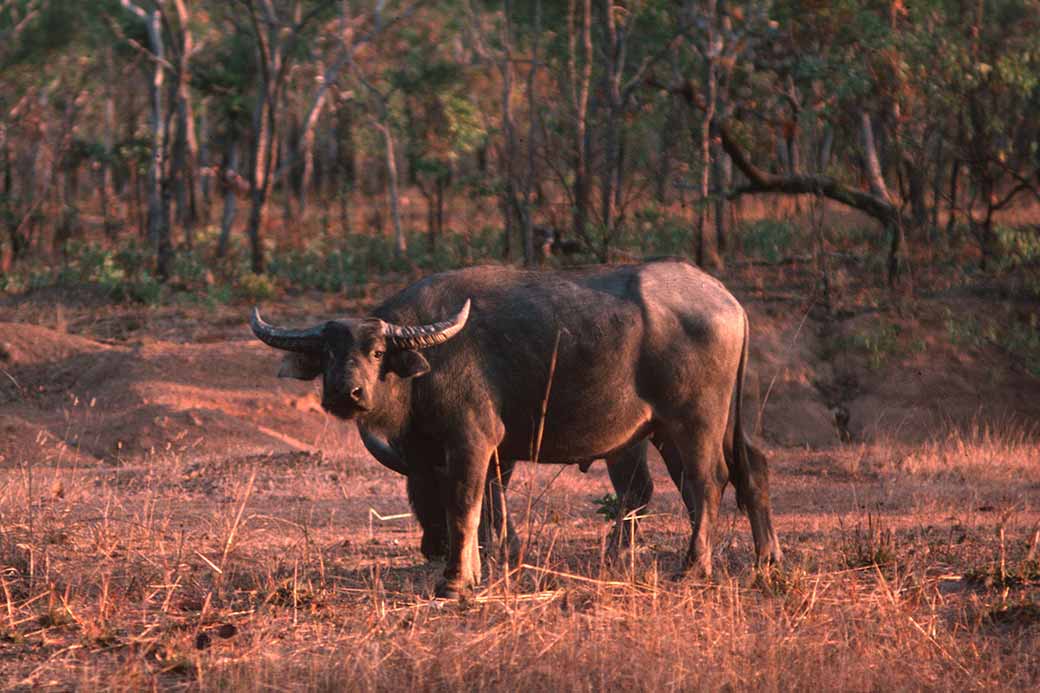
[(422, 336), (300, 341)]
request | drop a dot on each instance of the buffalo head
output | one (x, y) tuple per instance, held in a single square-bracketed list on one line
[(355, 355)]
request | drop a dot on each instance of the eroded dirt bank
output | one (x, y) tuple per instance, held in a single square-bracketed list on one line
[(197, 385)]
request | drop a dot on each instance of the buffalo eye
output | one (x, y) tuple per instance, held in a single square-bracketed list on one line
[(377, 354)]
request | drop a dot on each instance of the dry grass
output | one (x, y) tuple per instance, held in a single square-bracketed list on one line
[(257, 574), (979, 453)]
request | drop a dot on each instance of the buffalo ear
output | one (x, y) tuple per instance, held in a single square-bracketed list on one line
[(407, 363), (300, 366)]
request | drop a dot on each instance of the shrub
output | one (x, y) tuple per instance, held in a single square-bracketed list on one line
[(767, 239), (256, 287)]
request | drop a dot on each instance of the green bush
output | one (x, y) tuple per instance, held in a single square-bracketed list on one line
[(1019, 246), (767, 239), (654, 232), (877, 342), (256, 287)]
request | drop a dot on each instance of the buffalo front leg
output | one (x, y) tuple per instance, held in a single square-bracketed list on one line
[(463, 492), (425, 500)]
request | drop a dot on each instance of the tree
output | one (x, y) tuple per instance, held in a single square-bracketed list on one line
[(279, 29)]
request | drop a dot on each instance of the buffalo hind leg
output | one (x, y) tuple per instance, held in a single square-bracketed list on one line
[(696, 450), (634, 487), (494, 519), (752, 484)]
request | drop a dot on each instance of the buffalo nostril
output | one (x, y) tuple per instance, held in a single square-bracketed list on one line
[(356, 393)]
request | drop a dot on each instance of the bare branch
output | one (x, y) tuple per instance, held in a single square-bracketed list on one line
[(762, 181)]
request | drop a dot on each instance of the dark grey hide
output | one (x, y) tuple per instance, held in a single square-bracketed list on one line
[(655, 350)]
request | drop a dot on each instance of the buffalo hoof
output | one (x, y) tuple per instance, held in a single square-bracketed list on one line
[(774, 556), (694, 569), (446, 590)]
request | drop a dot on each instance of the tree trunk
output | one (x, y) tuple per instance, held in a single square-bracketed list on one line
[(510, 205), (609, 180), (826, 147), (666, 141), (158, 229), (937, 181), (178, 175), (108, 141), (916, 181), (400, 242), (711, 83), (230, 201), (580, 99), (258, 182), (951, 219), (307, 145), (877, 184), (189, 180), (441, 184), (205, 181), (723, 175)]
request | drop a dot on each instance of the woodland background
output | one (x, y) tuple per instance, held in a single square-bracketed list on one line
[(317, 143)]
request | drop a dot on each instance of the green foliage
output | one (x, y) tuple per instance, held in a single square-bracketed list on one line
[(1020, 246), (318, 267), (120, 274), (655, 232), (609, 506), (878, 342), (188, 271), (256, 287), (1021, 339), (767, 239)]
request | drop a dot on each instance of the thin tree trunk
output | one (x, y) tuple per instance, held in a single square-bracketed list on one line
[(186, 118), (825, 150), (580, 100), (258, 179), (178, 174), (723, 175), (612, 138), (158, 229), (951, 219), (108, 139), (937, 181), (442, 213), (205, 181), (307, 140), (230, 200), (711, 82), (877, 185), (400, 242), (666, 141), (510, 203)]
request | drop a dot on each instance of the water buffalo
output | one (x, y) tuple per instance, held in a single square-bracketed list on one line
[(559, 367)]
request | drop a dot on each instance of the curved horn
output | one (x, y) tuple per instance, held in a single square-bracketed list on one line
[(300, 341), (422, 336)]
